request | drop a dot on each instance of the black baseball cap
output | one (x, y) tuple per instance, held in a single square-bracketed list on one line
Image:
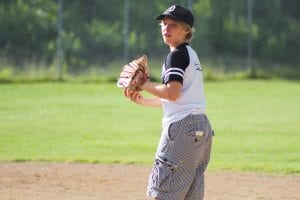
[(178, 13)]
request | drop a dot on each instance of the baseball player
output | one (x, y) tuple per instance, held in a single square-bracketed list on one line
[(184, 149)]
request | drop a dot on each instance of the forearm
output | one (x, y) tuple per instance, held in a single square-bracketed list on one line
[(151, 102), (164, 91), (137, 98)]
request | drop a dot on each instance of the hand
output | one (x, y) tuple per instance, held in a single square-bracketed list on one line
[(134, 74), (134, 96), (138, 80)]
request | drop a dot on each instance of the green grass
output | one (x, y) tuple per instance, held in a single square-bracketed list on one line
[(257, 125)]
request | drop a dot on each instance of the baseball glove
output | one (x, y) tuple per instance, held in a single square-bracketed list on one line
[(134, 74)]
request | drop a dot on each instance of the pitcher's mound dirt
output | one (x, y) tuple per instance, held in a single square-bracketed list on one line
[(61, 181)]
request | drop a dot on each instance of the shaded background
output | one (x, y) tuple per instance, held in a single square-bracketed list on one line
[(58, 37)]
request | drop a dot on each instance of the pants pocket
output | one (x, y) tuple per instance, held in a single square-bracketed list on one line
[(162, 175)]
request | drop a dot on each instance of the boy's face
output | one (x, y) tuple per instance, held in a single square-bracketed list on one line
[(173, 32)]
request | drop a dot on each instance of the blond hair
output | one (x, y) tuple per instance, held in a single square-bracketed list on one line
[(190, 31)]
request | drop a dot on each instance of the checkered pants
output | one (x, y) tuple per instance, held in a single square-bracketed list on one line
[(181, 159)]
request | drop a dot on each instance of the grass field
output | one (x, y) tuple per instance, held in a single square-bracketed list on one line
[(257, 125)]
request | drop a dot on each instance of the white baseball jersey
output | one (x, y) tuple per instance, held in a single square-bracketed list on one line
[(183, 65)]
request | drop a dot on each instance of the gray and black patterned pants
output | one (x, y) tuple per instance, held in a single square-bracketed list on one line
[(181, 159)]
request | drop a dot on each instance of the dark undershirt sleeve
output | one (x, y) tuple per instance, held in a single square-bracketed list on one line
[(175, 64)]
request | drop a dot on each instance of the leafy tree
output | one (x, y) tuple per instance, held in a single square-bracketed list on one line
[(27, 29), (93, 30)]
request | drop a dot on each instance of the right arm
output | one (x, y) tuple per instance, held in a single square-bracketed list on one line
[(136, 97)]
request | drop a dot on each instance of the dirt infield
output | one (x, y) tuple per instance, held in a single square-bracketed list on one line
[(41, 181)]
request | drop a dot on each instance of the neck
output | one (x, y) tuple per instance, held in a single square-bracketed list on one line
[(173, 47)]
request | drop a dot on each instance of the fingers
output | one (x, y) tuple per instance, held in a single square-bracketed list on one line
[(132, 95), (128, 93), (135, 96)]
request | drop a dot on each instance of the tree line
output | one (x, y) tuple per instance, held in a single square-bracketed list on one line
[(93, 30)]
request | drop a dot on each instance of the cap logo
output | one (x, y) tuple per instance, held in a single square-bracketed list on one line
[(171, 9)]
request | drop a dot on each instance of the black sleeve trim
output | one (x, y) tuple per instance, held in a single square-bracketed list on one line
[(175, 64)]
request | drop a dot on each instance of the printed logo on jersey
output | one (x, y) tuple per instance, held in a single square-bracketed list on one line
[(197, 66)]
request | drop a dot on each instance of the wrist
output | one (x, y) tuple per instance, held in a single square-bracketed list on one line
[(146, 82)]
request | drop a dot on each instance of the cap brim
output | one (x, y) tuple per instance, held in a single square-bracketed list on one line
[(160, 17)]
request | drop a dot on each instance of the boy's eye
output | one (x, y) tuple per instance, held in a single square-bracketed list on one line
[(169, 25), (173, 25)]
